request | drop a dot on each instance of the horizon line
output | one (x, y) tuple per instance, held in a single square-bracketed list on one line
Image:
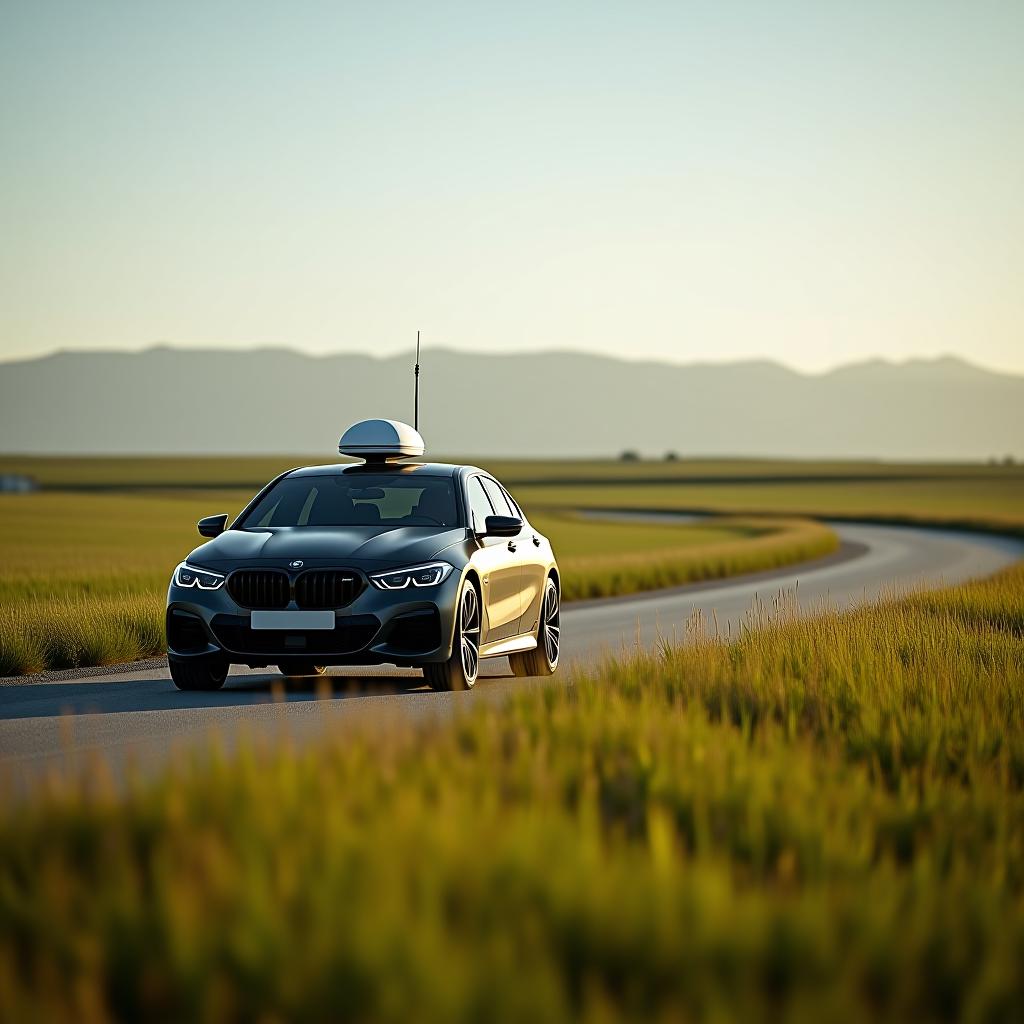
[(506, 353)]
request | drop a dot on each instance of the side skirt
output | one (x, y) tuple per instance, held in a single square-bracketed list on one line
[(511, 645)]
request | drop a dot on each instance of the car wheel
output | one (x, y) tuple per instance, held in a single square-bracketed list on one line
[(459, 672), (301, 669), (543, 659), (205, 674)]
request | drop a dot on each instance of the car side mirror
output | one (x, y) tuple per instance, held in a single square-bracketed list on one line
[(502, 526), (213, 526)]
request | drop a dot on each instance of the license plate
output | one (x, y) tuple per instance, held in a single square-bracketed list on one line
[(290, 618)]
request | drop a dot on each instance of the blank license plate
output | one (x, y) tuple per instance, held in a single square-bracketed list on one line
[(289, 618)]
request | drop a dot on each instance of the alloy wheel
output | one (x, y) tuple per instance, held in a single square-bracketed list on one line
[(551, 630), (469, 633)]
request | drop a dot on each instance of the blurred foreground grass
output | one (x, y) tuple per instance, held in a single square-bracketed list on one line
[(821, 821), (83, 576)]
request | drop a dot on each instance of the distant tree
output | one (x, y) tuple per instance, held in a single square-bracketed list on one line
[(671, 456), (629, 455), (1009, 460)]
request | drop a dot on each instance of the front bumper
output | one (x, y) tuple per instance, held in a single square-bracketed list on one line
[(406, 627)]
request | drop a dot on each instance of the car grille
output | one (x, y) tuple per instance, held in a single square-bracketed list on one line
[(315, 588), (327, 588), (259, 588), (351, 635)]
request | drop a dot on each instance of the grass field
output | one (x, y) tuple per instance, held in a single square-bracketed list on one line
[(106, 472), (83, 575), (108, 542), (957, 493), (732, 546), (114, 542), (821, 821), (986, 502)]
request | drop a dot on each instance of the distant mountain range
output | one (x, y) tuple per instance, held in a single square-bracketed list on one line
[(536, 404)]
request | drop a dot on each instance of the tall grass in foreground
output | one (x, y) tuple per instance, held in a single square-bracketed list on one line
[(821, 821)]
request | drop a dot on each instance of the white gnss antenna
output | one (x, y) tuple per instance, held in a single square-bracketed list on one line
[(416, 392)]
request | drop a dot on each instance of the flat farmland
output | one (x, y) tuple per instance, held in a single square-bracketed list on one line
[(960, 493), (110, 542), (84, 561), (83, 574), (103, 472), (985, 501)]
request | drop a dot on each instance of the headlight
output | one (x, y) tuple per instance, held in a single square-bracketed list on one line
[(428, 575), (189, 576)]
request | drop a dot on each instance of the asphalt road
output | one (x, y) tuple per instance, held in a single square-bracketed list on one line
[(137, 718)]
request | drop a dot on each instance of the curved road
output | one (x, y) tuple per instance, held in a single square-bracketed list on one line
[(138, 717)]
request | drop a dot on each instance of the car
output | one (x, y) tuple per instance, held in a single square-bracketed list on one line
[(383, 561)]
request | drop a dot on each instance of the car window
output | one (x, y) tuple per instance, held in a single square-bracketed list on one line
[(479, 503), (497, 496), (516, 510), (363, 499)]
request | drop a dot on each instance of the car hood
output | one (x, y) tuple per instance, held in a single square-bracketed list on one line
[(369, 546)]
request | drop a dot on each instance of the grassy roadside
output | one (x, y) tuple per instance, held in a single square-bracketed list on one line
[(823, 820), (116, 548), (83, 576), (767, 544), (984, 504)]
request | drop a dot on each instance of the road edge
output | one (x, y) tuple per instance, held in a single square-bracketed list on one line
[(847, 551)]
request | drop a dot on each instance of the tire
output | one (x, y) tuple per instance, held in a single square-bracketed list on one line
[(543, 659), (301, 669), (205, 674), (459, 672)]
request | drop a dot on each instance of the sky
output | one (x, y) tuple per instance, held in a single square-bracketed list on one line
[(815, 183)]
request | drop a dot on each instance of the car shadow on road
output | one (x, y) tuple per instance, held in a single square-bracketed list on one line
[(325, 687), (158, 693)]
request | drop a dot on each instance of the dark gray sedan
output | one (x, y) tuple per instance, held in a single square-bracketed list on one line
[(426, 565)]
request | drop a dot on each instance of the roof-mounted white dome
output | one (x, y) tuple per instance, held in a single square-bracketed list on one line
[(381, 441)]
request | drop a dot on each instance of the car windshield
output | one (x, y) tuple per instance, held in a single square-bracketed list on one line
[(350, 499)]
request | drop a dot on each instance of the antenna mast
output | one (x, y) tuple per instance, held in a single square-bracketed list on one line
[(416, 398)]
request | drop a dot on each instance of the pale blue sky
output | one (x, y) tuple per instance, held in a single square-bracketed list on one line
[(811, 182)]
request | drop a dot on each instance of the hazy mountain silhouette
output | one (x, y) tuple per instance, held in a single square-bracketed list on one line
[(538, 404)]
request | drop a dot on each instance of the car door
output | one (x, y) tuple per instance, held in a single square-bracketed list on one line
[(499, 569), (532, 553)]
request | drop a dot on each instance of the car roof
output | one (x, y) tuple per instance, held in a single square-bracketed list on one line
[(422, 468)]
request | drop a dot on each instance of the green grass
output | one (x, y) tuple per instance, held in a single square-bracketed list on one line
[(112, 472), (821, 821), (103, 543), (731, 547), (118, 546), (73, 630), (577, 536), (83, 575), (53, 542), (960, 492), (995, 502)]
